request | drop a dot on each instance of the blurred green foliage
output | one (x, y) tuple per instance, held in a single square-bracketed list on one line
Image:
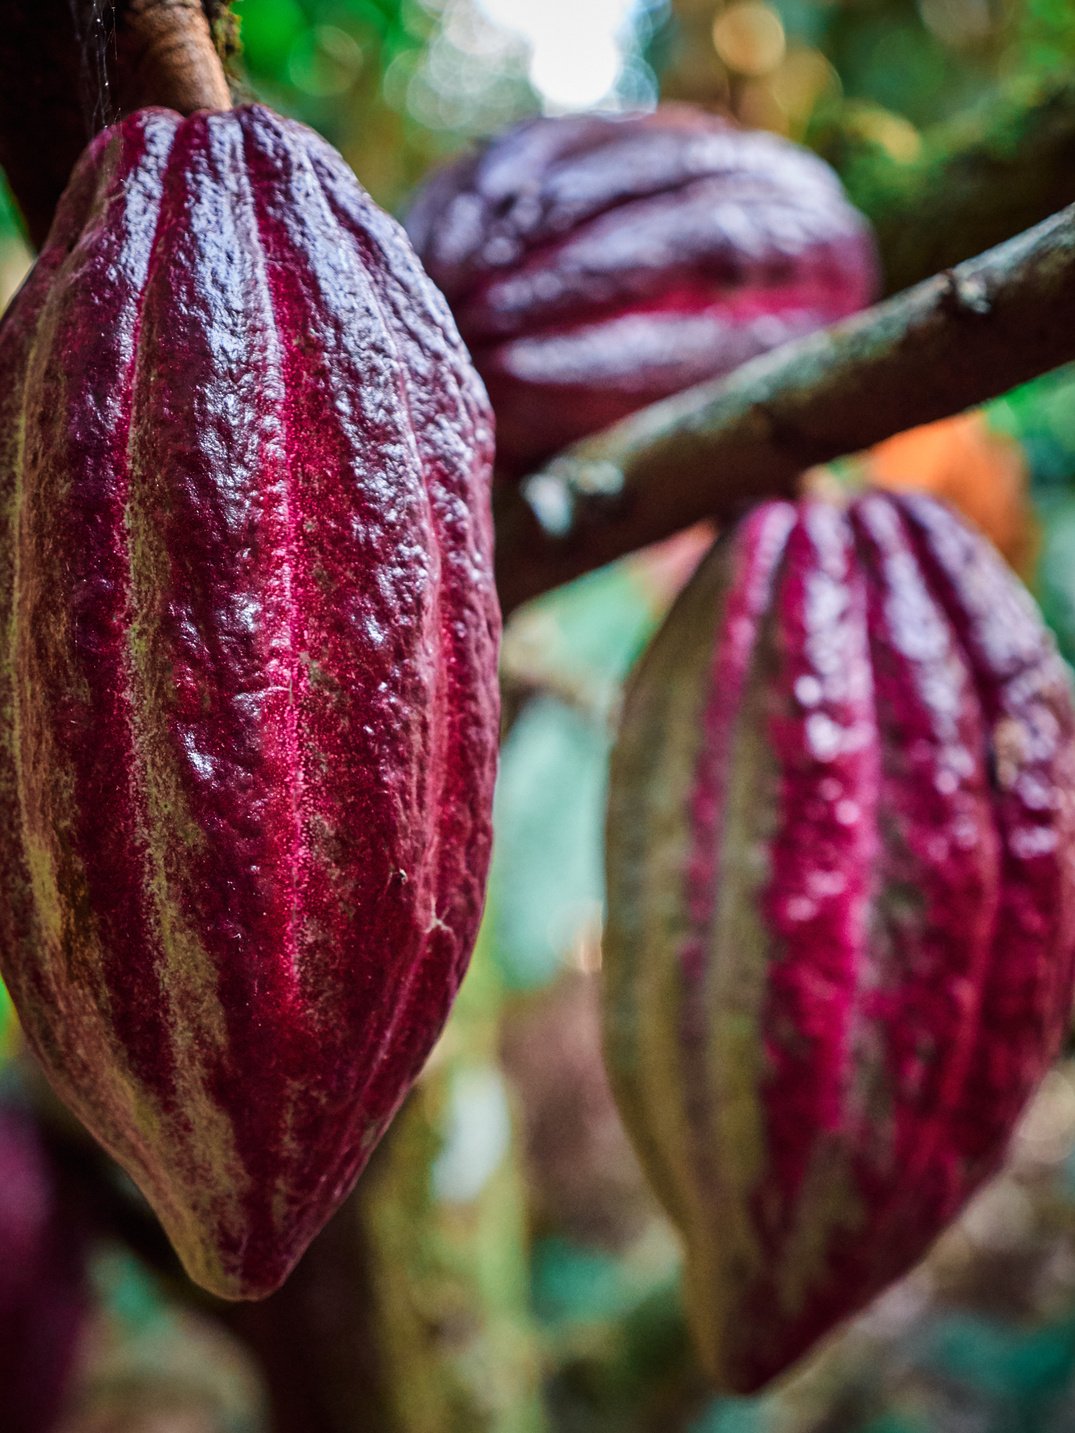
[(395, 84)]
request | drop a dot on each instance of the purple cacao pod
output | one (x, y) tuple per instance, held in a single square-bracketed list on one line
[(597, 263), (43, 1289), (250, 689), (841, 939)]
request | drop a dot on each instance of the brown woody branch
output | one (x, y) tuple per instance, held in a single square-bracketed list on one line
[(69, 67), (956, 340)]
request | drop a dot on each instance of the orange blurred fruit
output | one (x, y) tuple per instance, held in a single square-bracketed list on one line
[(979, 471)]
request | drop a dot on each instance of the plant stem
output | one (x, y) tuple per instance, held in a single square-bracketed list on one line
[(165, 55), (69, 67)]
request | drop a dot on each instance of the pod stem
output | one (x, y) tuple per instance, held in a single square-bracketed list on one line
[(166, 55), (70, 67)]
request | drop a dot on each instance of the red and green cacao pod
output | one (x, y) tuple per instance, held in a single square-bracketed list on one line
[(43, 1286), (597, 263), (249, 682), (841, 941)]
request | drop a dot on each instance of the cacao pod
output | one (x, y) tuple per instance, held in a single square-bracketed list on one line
[(597, 263), (841, 934), (249, 687), (43, 1287)]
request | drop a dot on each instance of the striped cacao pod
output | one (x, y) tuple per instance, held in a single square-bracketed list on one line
[(597, 263), (841, 939), (249, 683), (43, 1285)]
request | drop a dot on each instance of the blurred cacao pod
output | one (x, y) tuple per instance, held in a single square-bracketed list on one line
[(43, 1293), (841, 938), (596, 263), (250, 697)]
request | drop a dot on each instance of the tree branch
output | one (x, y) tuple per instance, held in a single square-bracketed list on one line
[(958, 339), (68, 69)]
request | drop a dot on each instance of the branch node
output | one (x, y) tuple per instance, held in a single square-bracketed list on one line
[(551, 502), (966, 294), (598, 479), (591, 491)]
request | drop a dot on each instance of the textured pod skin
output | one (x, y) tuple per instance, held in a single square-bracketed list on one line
[(597, 263), (249, 680), (43, 1293), (841, 927)]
